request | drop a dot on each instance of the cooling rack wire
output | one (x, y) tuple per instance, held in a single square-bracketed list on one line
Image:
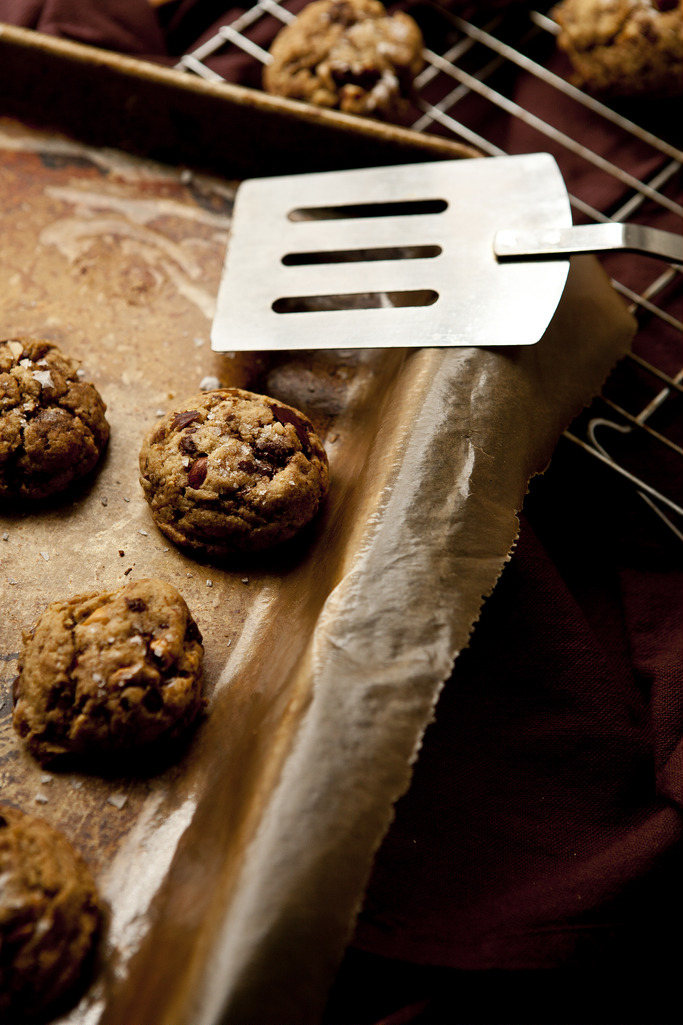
[(484, 82)]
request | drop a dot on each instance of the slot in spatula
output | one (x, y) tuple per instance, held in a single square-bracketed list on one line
[(456, 252)]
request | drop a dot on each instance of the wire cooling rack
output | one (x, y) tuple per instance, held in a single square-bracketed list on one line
[(500, 83)]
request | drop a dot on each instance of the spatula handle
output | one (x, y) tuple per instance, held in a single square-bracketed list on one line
[(511, 244)]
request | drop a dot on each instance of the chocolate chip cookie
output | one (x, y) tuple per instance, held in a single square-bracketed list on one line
[(231, 471), (52, 424), (109, 673), (623, 47), (347, 54), (49, 917)]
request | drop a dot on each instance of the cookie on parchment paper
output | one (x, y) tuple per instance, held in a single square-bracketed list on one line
[(50, 916), (52, 424), (231, 472), (351, 55), (108, 674)]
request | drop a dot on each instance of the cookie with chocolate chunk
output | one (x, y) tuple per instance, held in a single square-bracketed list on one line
[(49, 917), (52, 424), (108, 673), (351, 55), (231, 471), (623, 47)]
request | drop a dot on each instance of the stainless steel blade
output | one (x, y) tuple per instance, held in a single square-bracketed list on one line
[(302, 273)]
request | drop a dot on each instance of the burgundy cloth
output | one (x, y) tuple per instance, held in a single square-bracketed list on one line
[(533, 870), (136, 28), (541, 836), (126, 26)]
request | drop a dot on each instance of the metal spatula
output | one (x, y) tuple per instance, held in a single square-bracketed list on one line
[(444, 253)]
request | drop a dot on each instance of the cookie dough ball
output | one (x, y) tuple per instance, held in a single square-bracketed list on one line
[(232, 472), (52, 424), (49, 916), (347, 54), (109, 673), (623, 47)]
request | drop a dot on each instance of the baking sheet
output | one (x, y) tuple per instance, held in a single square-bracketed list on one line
[(107, 99), (233, 877)]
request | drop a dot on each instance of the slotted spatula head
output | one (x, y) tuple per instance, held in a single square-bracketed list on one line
[(391, 256)]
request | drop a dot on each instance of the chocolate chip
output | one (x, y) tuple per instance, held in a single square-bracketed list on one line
[(256, 466), (183, 419), (187, 444), (342, 13), (347, 74), (196, 475), (136, 604), (286, 416), (192, 632), (153, 701)]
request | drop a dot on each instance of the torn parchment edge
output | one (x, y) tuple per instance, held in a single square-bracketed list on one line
[(376, 687)]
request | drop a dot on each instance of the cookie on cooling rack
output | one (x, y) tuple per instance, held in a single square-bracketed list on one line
[(232, 472), (52, 424), (109, 673), (49, 917), (623, 47), (347, 54)]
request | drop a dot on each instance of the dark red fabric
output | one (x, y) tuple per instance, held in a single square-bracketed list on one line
[(536, 858), (554, 765), (126, 26), (533, 870)]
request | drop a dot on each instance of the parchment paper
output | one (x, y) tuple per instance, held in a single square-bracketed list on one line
[(233, 877)]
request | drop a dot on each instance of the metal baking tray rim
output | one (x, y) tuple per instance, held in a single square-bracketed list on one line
[(203, 136)]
